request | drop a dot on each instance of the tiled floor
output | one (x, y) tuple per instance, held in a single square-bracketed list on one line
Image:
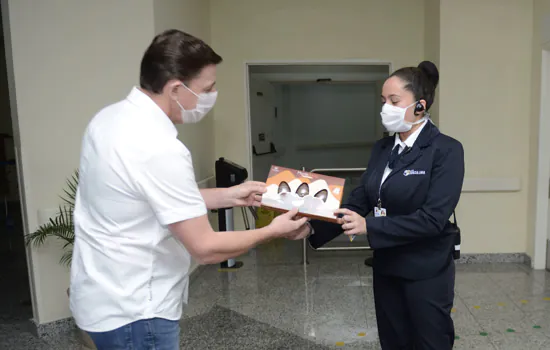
[(273, 302)]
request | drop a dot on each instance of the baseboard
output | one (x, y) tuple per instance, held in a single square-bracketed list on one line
[(52, 329), (66, 325), (519, 258)]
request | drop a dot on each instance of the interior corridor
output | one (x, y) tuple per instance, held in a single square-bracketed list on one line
[(272, 302)]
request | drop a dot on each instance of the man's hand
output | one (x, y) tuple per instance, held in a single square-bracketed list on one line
[(352, 223), (248, 194), (289, 226), (300, 233)]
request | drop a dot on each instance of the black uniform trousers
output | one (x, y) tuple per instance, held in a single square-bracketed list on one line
[(415, 315)]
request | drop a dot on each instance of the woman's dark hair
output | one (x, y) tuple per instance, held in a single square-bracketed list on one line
[(421, 81), (174, 54)]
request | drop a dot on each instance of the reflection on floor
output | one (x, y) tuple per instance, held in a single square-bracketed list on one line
[(273, 302)]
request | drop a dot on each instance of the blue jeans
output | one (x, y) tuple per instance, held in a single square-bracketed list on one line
[(152, 334)]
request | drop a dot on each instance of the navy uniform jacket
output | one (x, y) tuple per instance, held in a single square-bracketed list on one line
[(419, 195)]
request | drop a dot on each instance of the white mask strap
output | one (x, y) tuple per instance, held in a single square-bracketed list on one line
[(193, 92)]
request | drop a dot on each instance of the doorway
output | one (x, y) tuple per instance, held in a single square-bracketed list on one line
[(313, 115), (15, 294), (318, 116)]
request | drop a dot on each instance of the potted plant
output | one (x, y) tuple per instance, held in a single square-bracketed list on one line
[(62, 227)]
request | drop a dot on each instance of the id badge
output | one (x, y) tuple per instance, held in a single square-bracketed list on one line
[(378, 212)]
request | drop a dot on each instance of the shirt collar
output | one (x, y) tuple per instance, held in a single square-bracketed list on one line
[(144, 102), (409, 142)]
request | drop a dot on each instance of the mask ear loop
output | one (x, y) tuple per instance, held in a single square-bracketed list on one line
[(191, 91), (417, 109), (428, 116), (174, 98)]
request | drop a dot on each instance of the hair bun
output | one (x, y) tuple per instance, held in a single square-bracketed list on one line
[(431, 71)]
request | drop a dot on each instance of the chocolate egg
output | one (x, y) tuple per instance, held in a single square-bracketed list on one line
[(323, 195), (283, 188), (303, 190)]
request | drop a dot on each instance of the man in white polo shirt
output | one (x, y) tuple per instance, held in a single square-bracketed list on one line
[(139, 215)]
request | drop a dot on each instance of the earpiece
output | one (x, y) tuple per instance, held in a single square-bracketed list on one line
[(418, 108)]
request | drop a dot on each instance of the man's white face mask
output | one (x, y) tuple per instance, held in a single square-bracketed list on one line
[(393, 118), (205, 102)]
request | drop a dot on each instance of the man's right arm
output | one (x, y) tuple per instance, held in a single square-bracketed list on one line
[(210, 247), (167, 182)]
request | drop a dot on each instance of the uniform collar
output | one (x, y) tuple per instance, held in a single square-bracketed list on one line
[(409, 142), (144, 102)]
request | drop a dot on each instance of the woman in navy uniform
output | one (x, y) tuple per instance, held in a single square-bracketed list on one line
[(412, 185)]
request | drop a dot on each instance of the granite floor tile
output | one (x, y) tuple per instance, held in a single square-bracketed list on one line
[(507, 323), (476, 285), (518, 283), (484, 307), (464, 321), (474, 342), (222, 328), (275, 302), (340, 268), (538, 322), (17, 337), (518, 341)]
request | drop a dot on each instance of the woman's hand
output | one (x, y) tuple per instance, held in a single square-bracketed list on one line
[(352, 223)]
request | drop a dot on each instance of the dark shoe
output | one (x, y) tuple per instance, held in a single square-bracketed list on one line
[(368, 261)]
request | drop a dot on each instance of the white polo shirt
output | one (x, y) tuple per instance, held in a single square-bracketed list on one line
[(136, 178)]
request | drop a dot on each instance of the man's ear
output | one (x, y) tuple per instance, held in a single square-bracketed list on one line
[(171, 88)]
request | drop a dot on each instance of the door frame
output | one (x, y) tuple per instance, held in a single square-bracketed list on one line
[(249, 64), (20, 165), (542, 189)]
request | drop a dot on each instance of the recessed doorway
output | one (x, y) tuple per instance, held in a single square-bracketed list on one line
[(313, 115)]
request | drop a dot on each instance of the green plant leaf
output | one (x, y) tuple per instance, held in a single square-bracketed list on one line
[(71, 189), (62, 225), (67, 258)]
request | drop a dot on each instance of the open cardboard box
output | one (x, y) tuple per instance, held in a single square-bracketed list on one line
[(316, 196)]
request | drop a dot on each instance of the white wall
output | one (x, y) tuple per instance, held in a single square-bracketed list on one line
[(252, 30), (69, 60), (541, 35), (191, 16), (485, 95), (432, 47)]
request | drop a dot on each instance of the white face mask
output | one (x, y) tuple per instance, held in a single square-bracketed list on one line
[(393, 118), (205, 102)]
